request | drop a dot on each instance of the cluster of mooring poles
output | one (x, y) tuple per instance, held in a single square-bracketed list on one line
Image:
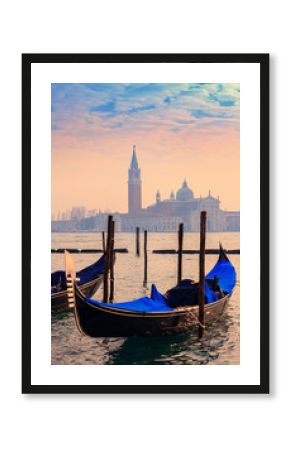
[(110, 255)]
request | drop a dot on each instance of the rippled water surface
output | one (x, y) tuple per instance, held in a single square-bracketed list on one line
[(221, 342)]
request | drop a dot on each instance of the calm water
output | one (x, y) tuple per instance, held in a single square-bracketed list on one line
[(221, 342)]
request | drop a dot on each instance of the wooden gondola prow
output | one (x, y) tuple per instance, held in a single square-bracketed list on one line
[(107, 262), (112, 257), (202, 273), (137, 241), (145, 259), (180, 245)]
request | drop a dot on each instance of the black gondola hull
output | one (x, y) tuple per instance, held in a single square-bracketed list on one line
[(101, 321)]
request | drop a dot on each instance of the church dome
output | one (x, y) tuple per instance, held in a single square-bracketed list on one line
[(184, 193)]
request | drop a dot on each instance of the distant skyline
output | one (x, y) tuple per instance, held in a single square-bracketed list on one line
[(180, 130)]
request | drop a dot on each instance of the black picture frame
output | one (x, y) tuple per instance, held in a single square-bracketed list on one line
[(263, 61)]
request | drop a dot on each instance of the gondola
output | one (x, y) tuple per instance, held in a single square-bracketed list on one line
[(90, 279), (174, 312)]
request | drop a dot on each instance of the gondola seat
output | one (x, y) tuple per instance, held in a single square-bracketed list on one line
[(186, 293)]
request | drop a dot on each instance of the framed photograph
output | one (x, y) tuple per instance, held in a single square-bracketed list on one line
[(146, 202)]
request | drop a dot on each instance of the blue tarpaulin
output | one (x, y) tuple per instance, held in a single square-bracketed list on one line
[(226, 275), (226, 279), (58, 278), (156, 303)]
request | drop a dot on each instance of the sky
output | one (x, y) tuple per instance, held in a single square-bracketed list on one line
[(180, 131)]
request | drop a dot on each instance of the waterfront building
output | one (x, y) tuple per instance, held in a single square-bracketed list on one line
[(165, 215), (162, 215), (232, 219)]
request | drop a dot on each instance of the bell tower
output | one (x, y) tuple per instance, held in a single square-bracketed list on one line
[(134, 185)]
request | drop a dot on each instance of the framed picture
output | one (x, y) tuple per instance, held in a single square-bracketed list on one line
[(146, 200)]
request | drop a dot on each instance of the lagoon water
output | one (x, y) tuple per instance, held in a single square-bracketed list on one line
[(221, 342)]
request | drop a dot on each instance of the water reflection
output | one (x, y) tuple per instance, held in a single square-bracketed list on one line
[(151, 350)]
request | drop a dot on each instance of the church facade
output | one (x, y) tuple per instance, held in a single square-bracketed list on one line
[(166, 214)]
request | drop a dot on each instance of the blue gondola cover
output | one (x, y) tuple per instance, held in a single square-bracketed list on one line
[(223, 270), (58, 278), (156, 303), (226, 275)]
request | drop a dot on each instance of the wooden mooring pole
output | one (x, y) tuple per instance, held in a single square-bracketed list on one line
[(107, 261), (180, 245), (137, 241), (103, 241), (145, 259), (202, 273), (112, 260)]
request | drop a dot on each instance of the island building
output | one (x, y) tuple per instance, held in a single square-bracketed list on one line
[(166, 214), (163, 215)]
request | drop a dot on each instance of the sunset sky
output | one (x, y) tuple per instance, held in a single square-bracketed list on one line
[(180, 130)]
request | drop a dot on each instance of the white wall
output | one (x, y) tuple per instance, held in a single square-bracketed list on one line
[(76, 422)]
